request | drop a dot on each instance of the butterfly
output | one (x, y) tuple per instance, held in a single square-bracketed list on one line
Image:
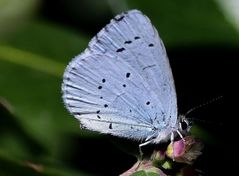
[(122, 83)]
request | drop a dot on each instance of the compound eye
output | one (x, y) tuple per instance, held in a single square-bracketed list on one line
[(184, 125)]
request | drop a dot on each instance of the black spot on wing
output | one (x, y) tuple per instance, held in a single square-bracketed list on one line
[(103, 80), (148, 102), (105, 105), (136, 37), (120, 50), (98, 111), (151, 45), (73, 68), (100, 87), (127, 75), (110, 126), (98, 117), (124, 85), (128, 42)]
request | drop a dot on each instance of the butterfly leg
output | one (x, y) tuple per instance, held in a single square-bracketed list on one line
[(140, 148), (181, 136), (171, 142)]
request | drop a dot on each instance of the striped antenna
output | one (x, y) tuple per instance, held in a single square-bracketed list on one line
[(202, 105)]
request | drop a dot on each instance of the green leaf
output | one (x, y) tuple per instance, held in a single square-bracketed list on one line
[(32, 64), (144, 173), (49, 41), (14, 139), (31, 60), (12, 166), (19, 152), (14, 14), (204, 135), (188, 22), (139, 173)]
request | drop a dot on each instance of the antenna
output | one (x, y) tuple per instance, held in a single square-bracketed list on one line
[(201, 105), (205, 121)]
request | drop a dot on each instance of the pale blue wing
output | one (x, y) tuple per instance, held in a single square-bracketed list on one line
[(132, 37), (122, 84), (107, 95)]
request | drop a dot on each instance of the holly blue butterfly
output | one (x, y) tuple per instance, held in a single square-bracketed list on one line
[(122, 83)]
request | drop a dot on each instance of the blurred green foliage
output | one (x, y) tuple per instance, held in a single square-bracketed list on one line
[(34, 51)]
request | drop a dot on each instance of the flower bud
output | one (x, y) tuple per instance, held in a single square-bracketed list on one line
[(185, 151)]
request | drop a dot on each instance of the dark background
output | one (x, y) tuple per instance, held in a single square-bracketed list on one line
[(37, 132)]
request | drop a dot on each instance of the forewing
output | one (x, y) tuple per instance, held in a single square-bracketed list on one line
[(122, 83), (132, 37)]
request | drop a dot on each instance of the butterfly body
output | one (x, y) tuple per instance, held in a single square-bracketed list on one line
[(122, 83)]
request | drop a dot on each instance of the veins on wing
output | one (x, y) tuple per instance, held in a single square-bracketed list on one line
[(149, 66), (118, 96)]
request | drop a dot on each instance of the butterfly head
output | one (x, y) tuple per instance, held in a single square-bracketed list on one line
[(184, 124)]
